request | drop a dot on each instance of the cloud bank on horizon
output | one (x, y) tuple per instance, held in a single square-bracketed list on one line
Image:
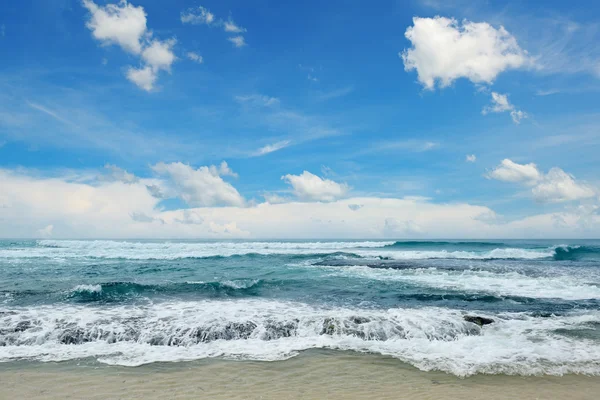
[(337, 155)]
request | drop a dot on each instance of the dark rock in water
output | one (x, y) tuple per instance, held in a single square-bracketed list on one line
[(478, 320), (275, 329), (22, 326), (328, 327), (2, 313), (360, 320), (74, 336)]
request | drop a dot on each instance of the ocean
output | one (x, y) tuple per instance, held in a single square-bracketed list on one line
[(135, 302)]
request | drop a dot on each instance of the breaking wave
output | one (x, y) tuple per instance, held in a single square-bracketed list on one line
[(428, 338), (108, 249)]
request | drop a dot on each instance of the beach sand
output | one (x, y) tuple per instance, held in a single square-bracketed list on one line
[(312, 375)]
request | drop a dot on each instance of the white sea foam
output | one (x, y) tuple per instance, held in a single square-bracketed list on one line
[(479, 281), (240, 283), (507, 253), (110, 249), (428, 338), (87, 288)]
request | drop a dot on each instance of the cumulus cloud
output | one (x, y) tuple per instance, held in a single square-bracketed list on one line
[(501, 104), (115, 173), (444, 50), (355, 207), (308, 186), (122, 24), (125, 25), (273, 198), (144, 78), (510, 171), (108, 209), (558, 186), (228, 229), (190, 217), (200, 187), (401, 228), (223, 170), (46, 232), (238, 41), (552, 187), (195, 57), (141, 217), (159, 54), (471, 158)]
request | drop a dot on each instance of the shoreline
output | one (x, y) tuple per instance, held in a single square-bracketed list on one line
[(310, 375)]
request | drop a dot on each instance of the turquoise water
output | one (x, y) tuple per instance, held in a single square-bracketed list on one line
[(136, 302)]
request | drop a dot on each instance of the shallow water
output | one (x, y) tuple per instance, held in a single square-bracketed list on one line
[(136, 302)]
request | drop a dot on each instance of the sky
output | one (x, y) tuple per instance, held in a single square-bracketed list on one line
[(268, 119)]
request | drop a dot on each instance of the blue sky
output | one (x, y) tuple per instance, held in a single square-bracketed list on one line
[(275, 89)]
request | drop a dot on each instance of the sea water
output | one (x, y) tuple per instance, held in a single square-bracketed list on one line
[(135, 302)]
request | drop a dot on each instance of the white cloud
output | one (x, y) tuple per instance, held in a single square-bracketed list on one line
[(558, 186), (554, 187), (429, 146), (500, 104), (223, 170), (125, 25), (200, 187), (199, 15), (119, 174), (273, 198), (334, 94), (517, 116), (46, 232), (105, 209), (270, 148), (144, 78), (51, 113), (238, 41), (159, 54), (308, 186), (141, 217), (228, 229), (195, 57), (471, 158), (509, 171), (231, 26), (190, 217), (258, 100), (444, 50), (122, 24), (401, 228)]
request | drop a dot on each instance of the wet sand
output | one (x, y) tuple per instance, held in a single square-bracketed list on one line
[(312, 375)]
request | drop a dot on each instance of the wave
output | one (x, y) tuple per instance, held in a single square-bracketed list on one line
[(430, 244), (574, 253), (478, 281), (119, 291), (428, 338), (495, 254), (405, 250)]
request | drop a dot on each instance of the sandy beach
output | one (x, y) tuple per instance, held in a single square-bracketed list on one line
[(312, 375)]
